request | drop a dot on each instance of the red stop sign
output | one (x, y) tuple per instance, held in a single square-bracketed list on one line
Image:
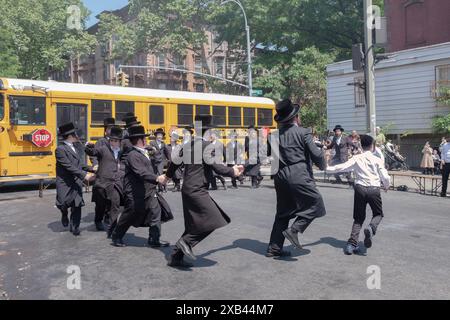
[(41, 138)]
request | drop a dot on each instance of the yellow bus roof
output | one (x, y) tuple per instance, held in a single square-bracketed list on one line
[(54, 86)]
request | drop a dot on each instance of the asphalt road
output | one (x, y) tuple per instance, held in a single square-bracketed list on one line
[(411, 251)]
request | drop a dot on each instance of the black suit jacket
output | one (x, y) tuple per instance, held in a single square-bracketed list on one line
[(161, 154), (70, 173)]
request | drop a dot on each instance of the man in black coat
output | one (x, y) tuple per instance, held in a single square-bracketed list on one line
[(341, 146), (297, 194), (252, 150), (96, 197), (108, 182), (174, 148), (140, 196), (70, 173), (234, 155), (160, 154), (202, 215), (130, 121), (219, 151)]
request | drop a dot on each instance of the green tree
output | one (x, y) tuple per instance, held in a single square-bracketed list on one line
[(301, 78), (41, 39), (441, 124), (9, 61)]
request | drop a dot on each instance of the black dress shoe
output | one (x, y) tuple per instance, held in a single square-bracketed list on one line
[(277, 254), (368, 234), (118, 243), (181, 244), (158, 244), (292, 237), (99, 226), (76, 231), (177, 263), (65, 220)]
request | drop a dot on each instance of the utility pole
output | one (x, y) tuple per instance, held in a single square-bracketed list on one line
[(369, 25)]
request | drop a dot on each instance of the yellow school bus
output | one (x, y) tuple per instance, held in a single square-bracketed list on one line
[(31, 111)]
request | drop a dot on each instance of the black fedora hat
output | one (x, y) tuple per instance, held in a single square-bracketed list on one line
[(131, 121), (338, 127), (116, 133), (137, 132), (286, 110), (66, 129), (160, 131), (109, 122)]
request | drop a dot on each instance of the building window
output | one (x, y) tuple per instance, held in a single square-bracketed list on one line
[(219, 67), (415, 16), (2, 107), (101, 109), (185, 114), (202, 110), (231, 67), (156, 115), (219, 116), (199, 87), (265, 117), (106, 72), (162, 60), (234, 116), (360, 93), (122, 108), (27, 110), (179, 62), (198, 64)]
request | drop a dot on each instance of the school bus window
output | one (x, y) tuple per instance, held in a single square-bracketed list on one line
[(185, 114), (249, 116), (219, 116), (265, 117), (122, 108), (234, 116), (101, 109), (156, 115), (27, 110), (2, 107), (202, 110)]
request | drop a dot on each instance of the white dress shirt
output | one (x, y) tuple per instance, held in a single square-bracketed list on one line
[(369, 170), (70, 144), (445, 152), (116, 152), (143, 151)]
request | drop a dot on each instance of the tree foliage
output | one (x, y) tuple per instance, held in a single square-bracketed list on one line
[(38, 39)]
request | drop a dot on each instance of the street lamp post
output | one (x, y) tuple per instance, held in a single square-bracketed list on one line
[(249, 57)]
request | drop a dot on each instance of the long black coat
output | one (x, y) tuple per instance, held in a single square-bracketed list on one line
[(341, 149), (201, 213), (253, 164), (297, 194), (139, 185), (109, 174), (175, 148), (70, 173), (234, 154)]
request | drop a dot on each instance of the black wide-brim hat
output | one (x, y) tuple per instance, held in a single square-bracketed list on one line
[(160, 131), (137, 132), (131, 121), (286, 110), (108, 122), (66, 129), (338, 127), (116, 133)]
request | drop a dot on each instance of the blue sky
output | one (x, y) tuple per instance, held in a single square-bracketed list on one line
[(97, 6)]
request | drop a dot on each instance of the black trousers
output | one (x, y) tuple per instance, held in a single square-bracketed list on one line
[(445, 175), (364, 196), (109, 207), (213, 182), (127, 219), (281, 224), (192, 240), (75, 216)]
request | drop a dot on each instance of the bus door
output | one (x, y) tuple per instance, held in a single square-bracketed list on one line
[(77, 114), (30, 135), (157, 118)]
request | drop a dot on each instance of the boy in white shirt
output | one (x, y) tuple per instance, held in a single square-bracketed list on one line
[(370, 177)]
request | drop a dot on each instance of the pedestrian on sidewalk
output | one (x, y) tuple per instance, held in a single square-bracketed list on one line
[(427, 163), (445, 166), (370, 176)]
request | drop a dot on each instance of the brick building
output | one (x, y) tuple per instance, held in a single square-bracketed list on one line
[(95, 69), (417, 23)]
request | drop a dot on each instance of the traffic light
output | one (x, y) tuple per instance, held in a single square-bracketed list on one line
[(123, 79)]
